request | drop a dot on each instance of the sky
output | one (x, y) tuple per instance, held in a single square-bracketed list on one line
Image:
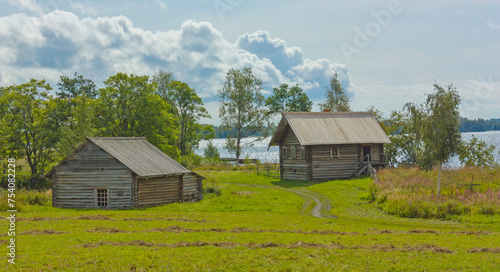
[(386, 53)]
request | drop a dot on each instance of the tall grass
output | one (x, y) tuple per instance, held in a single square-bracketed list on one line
[(412, 192), (24, 197)]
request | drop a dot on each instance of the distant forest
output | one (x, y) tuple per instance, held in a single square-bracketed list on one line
[(478, 125), (221, 133), (466, 125)]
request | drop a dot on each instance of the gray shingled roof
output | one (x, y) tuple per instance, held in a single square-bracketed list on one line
[(322, 128), (140, 156)]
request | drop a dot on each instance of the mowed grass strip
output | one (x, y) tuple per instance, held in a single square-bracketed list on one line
[(252, 228)]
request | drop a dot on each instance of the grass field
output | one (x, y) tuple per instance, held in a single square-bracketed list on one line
[(257, 224)]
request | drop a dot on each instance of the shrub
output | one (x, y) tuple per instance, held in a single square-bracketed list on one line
[(33, 197), (211, 191), (211, 152), (24, 197), (411, 192), (190, 161)]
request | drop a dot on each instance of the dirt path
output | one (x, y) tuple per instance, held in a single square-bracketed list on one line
[(321, 208)]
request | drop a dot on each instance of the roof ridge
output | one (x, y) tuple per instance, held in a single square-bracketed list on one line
[(328, 113), (116, 138), (313, 128)]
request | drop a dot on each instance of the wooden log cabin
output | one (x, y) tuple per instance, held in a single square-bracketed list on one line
[(121, 172), (328, 145)]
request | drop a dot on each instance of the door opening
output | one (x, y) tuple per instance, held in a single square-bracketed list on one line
[(367, 153)]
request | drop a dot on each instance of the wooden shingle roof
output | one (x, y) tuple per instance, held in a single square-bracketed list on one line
[(139, 155), (325, 128)]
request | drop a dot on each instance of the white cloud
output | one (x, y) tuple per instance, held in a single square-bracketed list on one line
[(61, 42), (28, 5), (161, 4), (274, 49)]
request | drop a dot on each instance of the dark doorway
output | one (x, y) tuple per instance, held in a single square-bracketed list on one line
[(367, 150)]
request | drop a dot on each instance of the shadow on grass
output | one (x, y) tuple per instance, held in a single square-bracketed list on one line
[(292, 183)]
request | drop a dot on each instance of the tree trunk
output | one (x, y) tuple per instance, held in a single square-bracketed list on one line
[(182, 145), (238, 151), (34, 175), (439, 178)]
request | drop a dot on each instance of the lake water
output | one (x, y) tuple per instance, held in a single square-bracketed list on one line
[(260, 149)]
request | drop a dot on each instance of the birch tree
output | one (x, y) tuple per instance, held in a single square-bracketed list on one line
[(336, 97), (242, 110)]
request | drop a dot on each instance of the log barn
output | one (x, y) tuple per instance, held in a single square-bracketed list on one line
[(328, 145), (121, 172)]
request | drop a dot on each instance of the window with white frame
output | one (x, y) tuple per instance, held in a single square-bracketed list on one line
[(293, 151), (334, 152), (303, 152), (102, 197), (283, 150)]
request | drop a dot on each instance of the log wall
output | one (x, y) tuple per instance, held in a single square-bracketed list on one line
[(377, 152), (77, 178), (192, 187), (292, 167), (156, 191), (324, 167)]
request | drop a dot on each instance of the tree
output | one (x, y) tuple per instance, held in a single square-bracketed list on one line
[(8, 148), (77, 86), (438, 120), (242, 110), (476, 152), (130, 107), (211, 152), (285, 99), (189, 110), (76, 99), (164, 80), (28, 124), (336, 97)]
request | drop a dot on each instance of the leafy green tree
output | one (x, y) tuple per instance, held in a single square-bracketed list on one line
[(77, 86), (476, 152), (163, 81), (242, 110), (211, 152), (336, 97), (408, 125), (402, 149), (187, 106), (436, 124), (7, 147), (28, 124), (76, 98), (129, 107), (288, 99), (189, 111)]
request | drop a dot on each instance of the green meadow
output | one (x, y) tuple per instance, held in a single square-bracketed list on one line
[(255, 224)]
